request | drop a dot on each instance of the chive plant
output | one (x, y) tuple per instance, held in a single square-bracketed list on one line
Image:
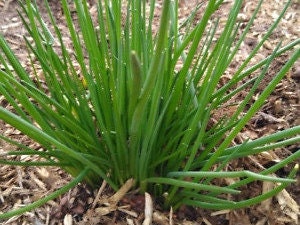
[(131, 113)]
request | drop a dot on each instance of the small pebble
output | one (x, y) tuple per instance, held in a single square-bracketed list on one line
[(14, 19), (68, 220), (296, 73)]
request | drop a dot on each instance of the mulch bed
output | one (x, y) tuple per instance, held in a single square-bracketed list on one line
[(20, 186)]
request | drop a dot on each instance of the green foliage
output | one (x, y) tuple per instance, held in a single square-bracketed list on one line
[(131, 113)]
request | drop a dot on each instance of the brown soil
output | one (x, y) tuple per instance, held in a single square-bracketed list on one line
[(20, 186)]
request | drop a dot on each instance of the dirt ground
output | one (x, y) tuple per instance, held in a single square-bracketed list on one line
[(21, 186)]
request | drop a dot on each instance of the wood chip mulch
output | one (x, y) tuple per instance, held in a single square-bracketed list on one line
[(23, 185)]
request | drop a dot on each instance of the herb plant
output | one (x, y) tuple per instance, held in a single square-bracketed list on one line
[(141, 105)]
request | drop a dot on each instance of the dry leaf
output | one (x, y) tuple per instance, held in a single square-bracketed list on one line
[(266, 187), (288, 205)]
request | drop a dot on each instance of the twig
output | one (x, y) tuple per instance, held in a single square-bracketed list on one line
[(148, 209)]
